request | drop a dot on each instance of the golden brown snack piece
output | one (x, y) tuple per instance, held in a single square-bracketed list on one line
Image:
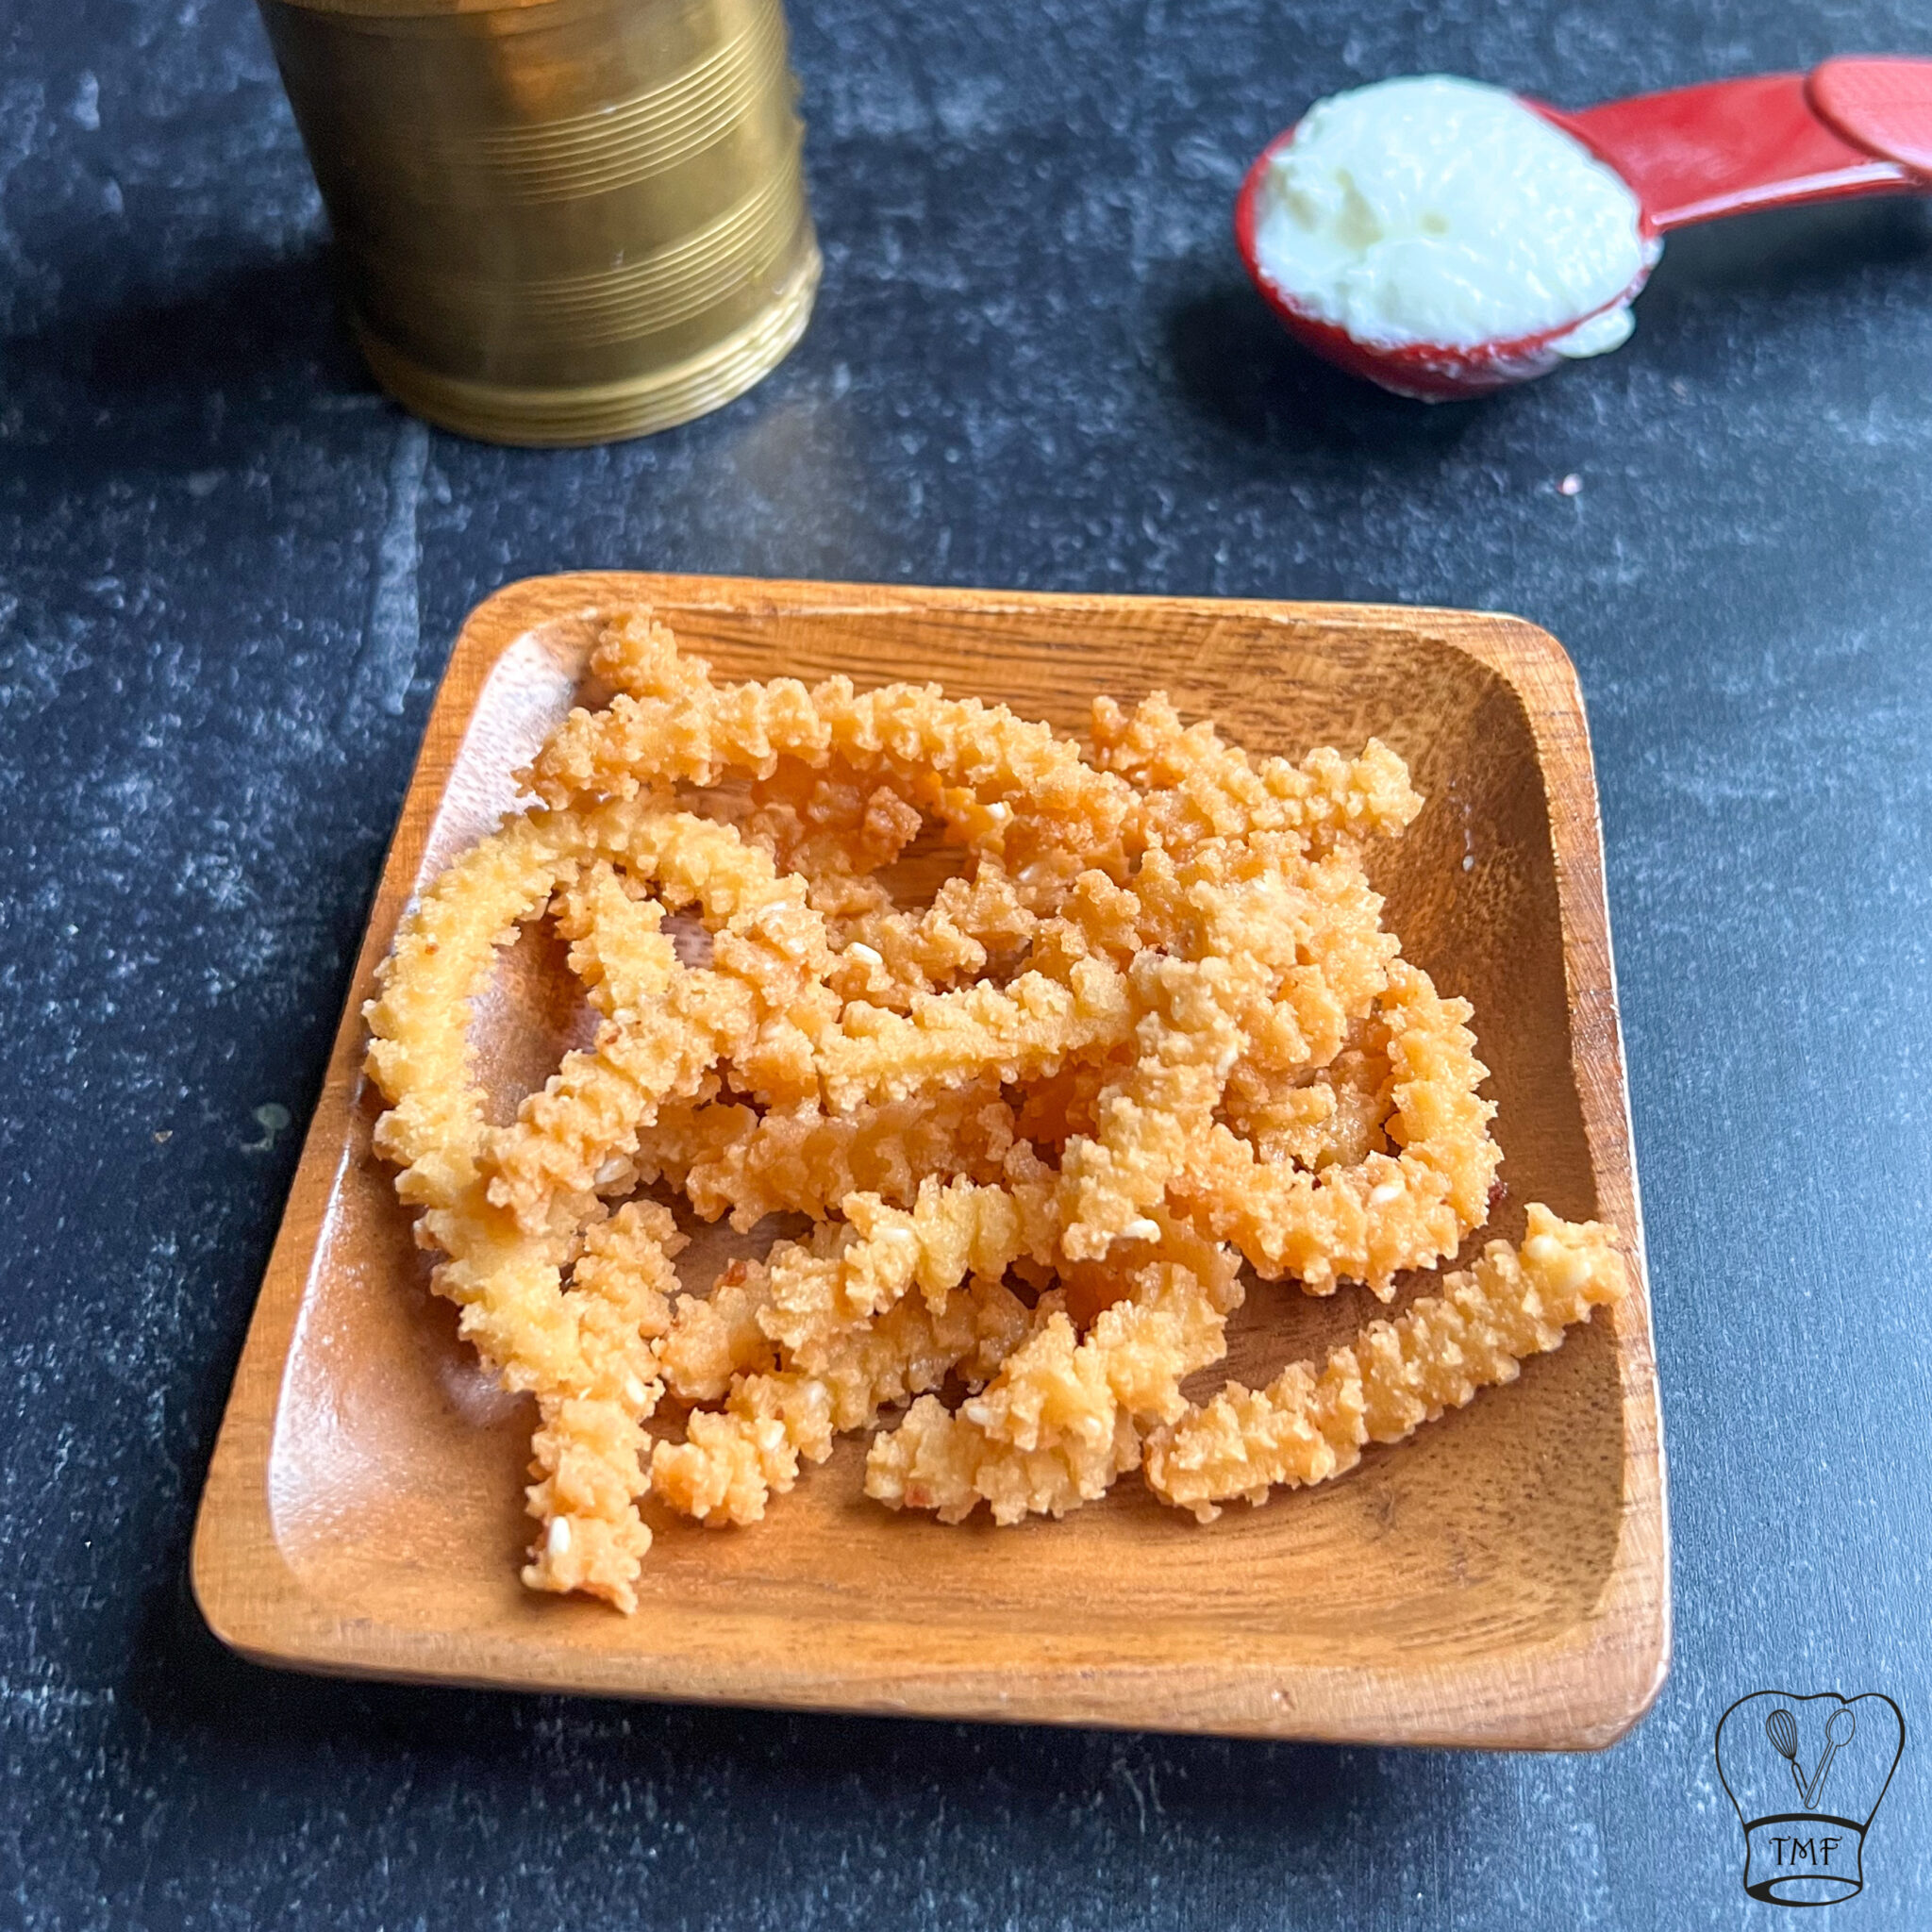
[(1368, 1222), (594, 1377), (733, 1461), (850, 1335), (805, 1161), (763, 1004), (713, 1338), (1333, 1116), (838, 827), (1195, 786), (1063, 1417), (587, 1452), (891, 957), (951, 1230), (1311, 1423), (997, 775), (1015, 1032), (832, 820), (1272, 965), (444, 952)]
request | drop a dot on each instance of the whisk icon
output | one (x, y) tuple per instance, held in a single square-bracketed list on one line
[(1781, 1727)]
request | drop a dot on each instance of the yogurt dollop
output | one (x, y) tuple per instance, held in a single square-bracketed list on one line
[(1435, 209)]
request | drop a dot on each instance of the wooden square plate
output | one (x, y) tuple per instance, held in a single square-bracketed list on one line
[(1500, 1580)]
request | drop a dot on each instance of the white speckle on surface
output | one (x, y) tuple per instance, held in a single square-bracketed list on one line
[(22, 105), (865, 955), (274, 1119), (558, 1542), (1142, 1230), (395, 631), (85, 110), (1198, 158), (1571, 485)]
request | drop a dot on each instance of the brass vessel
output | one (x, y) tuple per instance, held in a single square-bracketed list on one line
[(561, 221)]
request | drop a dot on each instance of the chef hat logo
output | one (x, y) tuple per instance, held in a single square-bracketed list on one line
[(1807, 1775)]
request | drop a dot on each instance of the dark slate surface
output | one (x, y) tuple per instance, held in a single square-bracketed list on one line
[(229, 576)]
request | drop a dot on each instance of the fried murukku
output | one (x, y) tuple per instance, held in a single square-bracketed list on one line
[(805, 1161), (1269, 967), (1134, 1026), (1386, 1212), (1193, 785), (763, 1004), (733, 1459), (1065, 1414), (995, 776), (1312, 1422), (589, 1357)]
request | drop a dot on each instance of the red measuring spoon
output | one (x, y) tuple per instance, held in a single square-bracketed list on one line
[(1851, 126)]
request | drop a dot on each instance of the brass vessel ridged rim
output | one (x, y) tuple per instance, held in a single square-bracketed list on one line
[(666, 287), (410, 12), (615, 147), (607, 411)]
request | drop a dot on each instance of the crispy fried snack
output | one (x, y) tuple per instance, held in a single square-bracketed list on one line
[(1333, 1116), (1310, 1423), (1269, 969), (587, 1356), (1368, 1221), (993, 776), (587, 1452), (1064, 1416), (1193, 785), (804, 1160), (1037, 1111), (763, 1004), (733, 1459)]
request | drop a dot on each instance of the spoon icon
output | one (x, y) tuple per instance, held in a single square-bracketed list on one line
[(1839, 1731), (1851, 127)]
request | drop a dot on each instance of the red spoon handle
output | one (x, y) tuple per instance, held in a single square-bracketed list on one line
[(1851, 126)]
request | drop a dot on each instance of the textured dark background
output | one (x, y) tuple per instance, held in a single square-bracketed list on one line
[(229, 574)]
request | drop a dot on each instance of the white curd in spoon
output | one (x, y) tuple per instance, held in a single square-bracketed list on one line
[(1433, 210)]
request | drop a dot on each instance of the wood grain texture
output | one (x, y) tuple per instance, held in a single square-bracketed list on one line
[(1503, 1580)]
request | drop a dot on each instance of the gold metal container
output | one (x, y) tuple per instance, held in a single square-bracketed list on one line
[(562, 221)]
